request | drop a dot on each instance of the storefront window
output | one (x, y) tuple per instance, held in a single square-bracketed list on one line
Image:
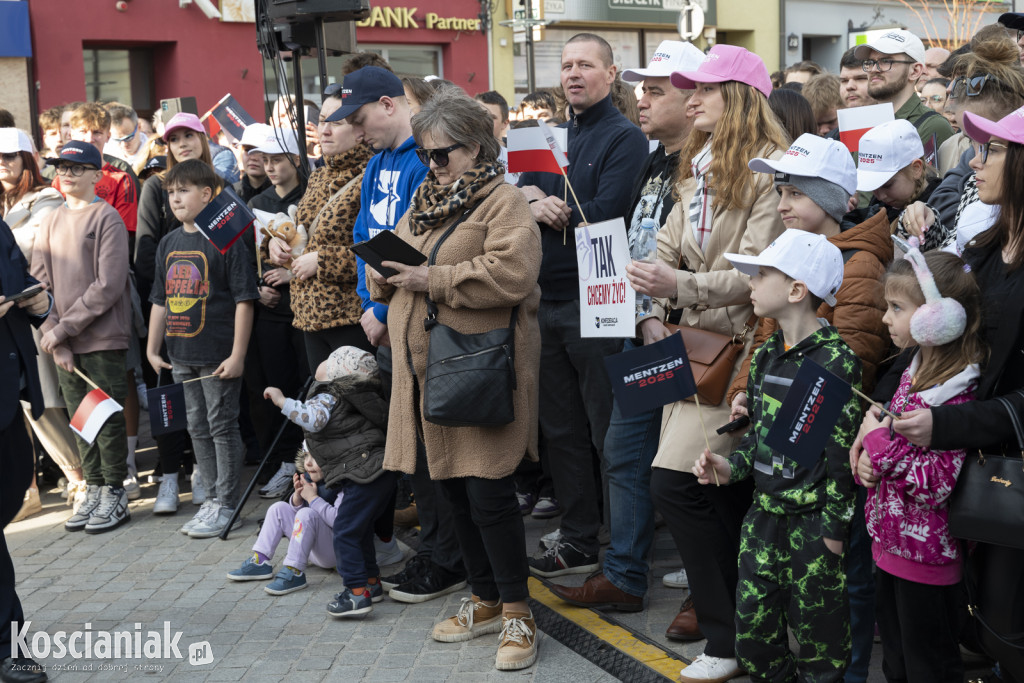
[(123, 76), (410, 60)]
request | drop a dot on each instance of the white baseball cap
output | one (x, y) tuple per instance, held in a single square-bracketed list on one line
[(802, 255), (671, 55), (280, 141), (814, 156), (884, 151), (897, 41), (14, 140), (255, 134)]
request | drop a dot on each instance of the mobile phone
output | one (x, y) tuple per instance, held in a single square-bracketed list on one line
[(739, 423), (27, 294), (305, 475)]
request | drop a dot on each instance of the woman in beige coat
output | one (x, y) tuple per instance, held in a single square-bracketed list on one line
[(723, 207), (486, 266)]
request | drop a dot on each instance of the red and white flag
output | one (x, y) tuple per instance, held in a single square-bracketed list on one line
[(535, 149), (856, 121), (92, 412)]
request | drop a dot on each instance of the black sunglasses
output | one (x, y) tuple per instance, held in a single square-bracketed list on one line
[(438, 156), (971, 87)]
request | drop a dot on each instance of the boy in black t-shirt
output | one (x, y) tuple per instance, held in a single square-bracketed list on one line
[(203, 302)]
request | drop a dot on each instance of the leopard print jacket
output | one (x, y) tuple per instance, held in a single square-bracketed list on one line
[(330, 299)]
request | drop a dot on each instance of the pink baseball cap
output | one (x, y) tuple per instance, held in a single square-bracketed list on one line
[(1010, 127), (727, 63), (183, 120)]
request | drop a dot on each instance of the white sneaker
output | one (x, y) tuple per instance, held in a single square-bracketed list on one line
[(111, 512), (676, 579), (76, 494), (205, 510), (131, 487), (707, 669), (142, 390), (280, 482), (390, 552), (214, 523), (167, 497), (551, 539), (198, 490)]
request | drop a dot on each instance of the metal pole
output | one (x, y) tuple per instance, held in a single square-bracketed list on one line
[(300, 108), (531, 76), (321, 52)]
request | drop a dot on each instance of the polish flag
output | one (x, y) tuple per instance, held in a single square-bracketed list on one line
[(856, 121), (535, 149), (92, 412)]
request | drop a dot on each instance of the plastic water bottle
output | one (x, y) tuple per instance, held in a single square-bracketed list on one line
[(645, 249)]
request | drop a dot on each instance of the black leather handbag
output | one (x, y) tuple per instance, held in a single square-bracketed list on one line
[(988, 502), (471, 378)]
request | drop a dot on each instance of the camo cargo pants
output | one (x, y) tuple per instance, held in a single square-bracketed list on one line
[(787, 577)]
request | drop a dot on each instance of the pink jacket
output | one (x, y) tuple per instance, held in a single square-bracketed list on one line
[(908, 512)]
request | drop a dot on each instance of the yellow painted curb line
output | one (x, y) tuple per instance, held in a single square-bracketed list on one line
[(621, 639)]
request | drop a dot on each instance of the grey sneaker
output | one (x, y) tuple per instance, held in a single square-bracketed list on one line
[(214, 523), (80, 518), (167, 497), (205, 510), (111, 512)]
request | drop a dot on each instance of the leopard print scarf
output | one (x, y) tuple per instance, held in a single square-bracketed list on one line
[(336, 172), (434, 203)]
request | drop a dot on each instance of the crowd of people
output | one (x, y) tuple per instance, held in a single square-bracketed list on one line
[(896, 267)]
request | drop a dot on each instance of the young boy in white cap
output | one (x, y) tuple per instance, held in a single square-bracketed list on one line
[(791, 545), (891, 165)]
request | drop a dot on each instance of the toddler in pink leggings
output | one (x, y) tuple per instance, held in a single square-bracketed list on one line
[(307, 520)]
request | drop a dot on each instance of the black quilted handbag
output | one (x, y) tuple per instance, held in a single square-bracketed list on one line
[(988, 502), (471, 378)]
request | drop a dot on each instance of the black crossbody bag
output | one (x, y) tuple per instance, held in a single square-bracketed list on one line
[(471, 378)]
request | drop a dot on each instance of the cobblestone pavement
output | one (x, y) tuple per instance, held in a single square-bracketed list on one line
[(146, 573)]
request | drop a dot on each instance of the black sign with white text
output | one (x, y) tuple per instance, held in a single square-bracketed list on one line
[(652, 376)]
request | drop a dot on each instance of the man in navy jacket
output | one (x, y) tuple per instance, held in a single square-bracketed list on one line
[(606, 153), (18, 379)]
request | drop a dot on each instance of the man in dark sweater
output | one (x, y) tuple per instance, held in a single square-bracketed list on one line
[(606, 153)]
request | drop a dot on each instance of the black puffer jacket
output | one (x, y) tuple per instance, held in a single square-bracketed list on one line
[(351, 446)]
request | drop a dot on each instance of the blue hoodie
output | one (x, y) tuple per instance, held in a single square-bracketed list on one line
[(390, 180)]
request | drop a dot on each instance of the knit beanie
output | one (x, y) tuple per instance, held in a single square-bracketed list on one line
[(832, 199)]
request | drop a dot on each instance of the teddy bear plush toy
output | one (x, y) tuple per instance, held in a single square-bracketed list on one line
[(285, 228)]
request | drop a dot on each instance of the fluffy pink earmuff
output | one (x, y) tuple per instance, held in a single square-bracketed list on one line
[(940, 319)]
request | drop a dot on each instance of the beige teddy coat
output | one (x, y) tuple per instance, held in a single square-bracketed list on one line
[(485, 267)]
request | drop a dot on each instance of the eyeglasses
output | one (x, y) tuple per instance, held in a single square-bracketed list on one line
[(72, 169), (128, 137), (438, 156), (1020, 34), (884, 64), (983, 150), (10, 157), (972, 86), (934, 98)]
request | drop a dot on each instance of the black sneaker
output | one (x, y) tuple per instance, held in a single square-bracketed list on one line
[(432, 582), (413, 568), (563, 558)]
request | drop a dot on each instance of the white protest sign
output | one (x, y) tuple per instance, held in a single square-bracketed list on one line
[(607, 301)]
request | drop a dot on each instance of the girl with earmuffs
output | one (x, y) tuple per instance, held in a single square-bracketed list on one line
[(933, 303)]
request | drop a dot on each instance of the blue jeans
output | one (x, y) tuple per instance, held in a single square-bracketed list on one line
[(211, 406), (629, 450)]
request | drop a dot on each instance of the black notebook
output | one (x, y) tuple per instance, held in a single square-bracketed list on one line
[(387, 246)]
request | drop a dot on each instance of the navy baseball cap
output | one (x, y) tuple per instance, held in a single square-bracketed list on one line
[(1012, 20), (363, 86), (80, 153)]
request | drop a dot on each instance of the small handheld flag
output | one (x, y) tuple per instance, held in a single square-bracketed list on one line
[(224, 219), (535, 149), (808, 414), (228, 115), (167, 409), (856, 121), (651, 376), (92, 413)]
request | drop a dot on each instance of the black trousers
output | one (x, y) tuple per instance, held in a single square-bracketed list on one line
[(438, 536), (320, 344), (705, 524), (998, 572), (919, 625), (16, 465), (491, 534)]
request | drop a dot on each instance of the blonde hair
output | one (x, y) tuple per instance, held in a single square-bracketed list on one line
[(748, 128)]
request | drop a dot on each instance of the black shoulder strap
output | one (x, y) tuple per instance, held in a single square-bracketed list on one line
[(924, 117)]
